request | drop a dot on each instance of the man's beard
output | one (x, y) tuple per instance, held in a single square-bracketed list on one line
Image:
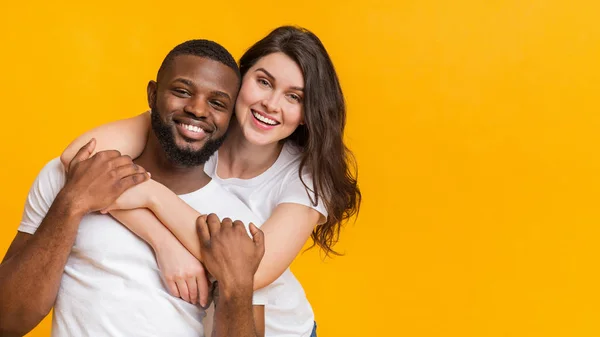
[(182, 157)]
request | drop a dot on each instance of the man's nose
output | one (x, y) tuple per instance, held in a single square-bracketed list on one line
[(197, 107)]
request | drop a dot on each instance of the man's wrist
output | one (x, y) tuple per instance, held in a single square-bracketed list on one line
[(69, 206), (231, 289)]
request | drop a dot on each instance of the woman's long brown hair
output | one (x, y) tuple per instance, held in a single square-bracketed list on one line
[(324, 155)]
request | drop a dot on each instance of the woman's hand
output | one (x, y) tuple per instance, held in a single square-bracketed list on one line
[(183, 274)]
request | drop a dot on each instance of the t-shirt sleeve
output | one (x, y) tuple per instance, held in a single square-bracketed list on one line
[(260, 296), (42, 193), (293, 191)]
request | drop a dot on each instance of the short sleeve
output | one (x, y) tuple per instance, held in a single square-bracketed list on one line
[(260, 296), (42, 193), (293, 191)]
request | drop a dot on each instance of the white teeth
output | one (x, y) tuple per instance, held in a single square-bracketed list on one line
[(264, 119), (191, 128)]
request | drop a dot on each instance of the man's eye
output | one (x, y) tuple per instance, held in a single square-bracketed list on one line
[(218, 104), (181, 92)]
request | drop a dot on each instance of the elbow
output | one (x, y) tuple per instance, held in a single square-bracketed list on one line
[(262, 280), (64, 159), (20, 321), (11, 332)]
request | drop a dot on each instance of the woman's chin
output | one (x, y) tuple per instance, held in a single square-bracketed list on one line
[(258, 138)]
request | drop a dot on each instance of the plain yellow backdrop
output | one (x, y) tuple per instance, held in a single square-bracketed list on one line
[(474, 124)]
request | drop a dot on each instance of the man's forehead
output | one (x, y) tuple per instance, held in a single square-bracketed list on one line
[(200, 70)]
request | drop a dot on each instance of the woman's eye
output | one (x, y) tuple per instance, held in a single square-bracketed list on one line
[(295, 98), (264, 82)]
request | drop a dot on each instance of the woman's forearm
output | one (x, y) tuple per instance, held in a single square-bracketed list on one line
[(285, 231), (144, 224), (177, 216)]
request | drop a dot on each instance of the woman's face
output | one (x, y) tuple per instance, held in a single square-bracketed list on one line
[(269, 104)]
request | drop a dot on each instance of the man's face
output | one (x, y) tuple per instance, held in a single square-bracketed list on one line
[(192, 104)]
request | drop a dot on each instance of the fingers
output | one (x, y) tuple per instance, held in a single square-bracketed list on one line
[(192, 287), (172, 287), (84, 153), (258, 237), (120, 160), (108, 209), (203, 231), (203, 289), (226, 223), (108, 155), (214, 225), (183, 290), (128, 169), (132, 180), (239, 226)]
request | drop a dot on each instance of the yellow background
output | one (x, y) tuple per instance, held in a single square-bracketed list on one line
[(475, 124)]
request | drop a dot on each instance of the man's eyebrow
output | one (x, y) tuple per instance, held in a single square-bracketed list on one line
[(221, 93), (184, 81), (272, 78), (214, 92)]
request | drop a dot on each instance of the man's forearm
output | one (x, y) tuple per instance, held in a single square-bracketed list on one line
[(30, 278), (233, 312)]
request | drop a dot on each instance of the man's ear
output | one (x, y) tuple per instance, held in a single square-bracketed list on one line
[(151, 92)]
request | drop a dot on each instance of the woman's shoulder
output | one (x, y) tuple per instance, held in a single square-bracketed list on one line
[(287, 166), (290, 157)]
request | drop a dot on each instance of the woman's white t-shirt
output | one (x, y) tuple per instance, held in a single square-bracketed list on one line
[(287, 313)]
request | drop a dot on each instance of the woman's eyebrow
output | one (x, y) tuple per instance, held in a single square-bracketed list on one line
[(272, 78)]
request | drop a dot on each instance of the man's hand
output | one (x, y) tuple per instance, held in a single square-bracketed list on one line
[(228, 253), (232, 257), (94, 183)]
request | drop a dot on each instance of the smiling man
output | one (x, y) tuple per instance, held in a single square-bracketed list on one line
[(102, 279)]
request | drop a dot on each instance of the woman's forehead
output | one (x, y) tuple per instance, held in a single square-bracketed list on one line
[(280, 66)]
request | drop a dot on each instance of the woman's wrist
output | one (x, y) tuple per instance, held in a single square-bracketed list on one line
[(153, 203), (160, 243)]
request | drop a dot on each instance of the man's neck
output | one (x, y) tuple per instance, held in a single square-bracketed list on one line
[(179, 179)]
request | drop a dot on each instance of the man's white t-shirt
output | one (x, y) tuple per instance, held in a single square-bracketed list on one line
[(287, 312), (111, 284)]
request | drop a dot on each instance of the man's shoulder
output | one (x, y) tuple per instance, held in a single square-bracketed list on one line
[(42, 193), (54, 166), (52, 176)]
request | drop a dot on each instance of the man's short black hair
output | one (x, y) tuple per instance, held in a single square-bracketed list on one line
[(201, 48)]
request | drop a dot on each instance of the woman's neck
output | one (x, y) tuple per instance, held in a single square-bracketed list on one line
[(238, 158)]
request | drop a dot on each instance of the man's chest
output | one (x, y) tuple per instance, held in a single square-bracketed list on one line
[(101, 236)]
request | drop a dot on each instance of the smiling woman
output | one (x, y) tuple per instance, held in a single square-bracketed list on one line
[(271, 99)]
